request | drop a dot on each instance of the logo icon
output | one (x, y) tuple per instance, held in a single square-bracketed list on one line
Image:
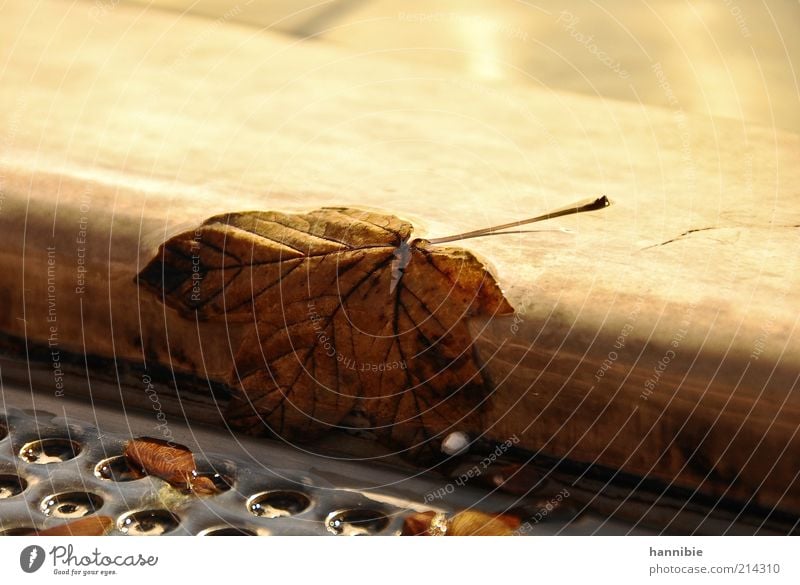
[(31, 558)]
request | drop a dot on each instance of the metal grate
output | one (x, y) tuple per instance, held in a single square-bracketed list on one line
[(51, 473), (53, 470), (58, 467)]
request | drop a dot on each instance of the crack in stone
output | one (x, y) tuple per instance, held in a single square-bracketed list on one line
[(691, 231), (678, 237)]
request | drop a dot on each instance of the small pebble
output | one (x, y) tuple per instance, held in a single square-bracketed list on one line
[(455, 443)]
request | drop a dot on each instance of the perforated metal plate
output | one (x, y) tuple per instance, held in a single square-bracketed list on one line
[(62, 461)]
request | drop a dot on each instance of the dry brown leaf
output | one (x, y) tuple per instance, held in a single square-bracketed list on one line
[(88, 526), (417, 524), (479, 524), (467, 523), (349, 316), (173, 463)]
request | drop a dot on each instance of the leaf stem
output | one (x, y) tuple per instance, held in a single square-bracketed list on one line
[(579, 207)]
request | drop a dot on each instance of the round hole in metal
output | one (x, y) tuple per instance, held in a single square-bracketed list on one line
[(11, 485), (71, 505), (49, 451), (220, 483), (356, 522), (278, 504), (117, 469), (147, 522)]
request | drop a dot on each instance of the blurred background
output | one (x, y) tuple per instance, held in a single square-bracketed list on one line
[(732, 58)]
